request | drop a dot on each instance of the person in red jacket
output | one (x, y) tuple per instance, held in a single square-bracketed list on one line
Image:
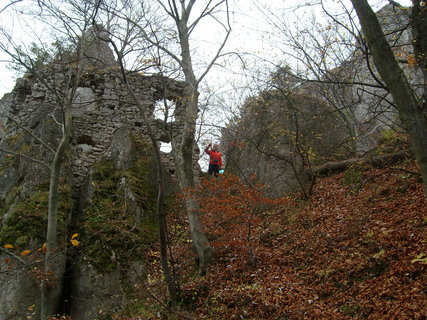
[(215, 159)]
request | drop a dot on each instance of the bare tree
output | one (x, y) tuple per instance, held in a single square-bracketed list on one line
[(412, 111), (71, 63), (121, 48), (180, 12), (331, 59), (176, 25)]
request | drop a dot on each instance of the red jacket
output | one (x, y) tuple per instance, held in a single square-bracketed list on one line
[(215, 156)]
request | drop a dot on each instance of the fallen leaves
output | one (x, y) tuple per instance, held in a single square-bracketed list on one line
[(341, 255), (422, 258), (344, 254)]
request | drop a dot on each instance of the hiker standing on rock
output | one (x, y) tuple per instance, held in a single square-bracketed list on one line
[(215, 159)]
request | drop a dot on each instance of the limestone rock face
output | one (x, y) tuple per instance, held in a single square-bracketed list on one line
[(351, 115), (19, 292), (98, 53), (99, 295), (108, 189), (107, 269)]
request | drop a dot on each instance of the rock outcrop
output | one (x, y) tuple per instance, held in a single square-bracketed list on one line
[(346, 113), (108, 185)]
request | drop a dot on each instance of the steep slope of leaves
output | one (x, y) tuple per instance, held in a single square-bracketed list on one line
[(356, 250)]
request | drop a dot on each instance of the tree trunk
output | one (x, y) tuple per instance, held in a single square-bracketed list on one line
[(161, 220), (419, 34), (160, 211), (54, 259), (410, 110), (184, 161), (331, 168), (185, 175)]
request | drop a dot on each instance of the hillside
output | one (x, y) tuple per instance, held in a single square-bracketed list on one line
[(356, 250)]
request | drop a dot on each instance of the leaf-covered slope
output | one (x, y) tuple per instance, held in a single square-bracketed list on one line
[(349, 253), (356, 250)]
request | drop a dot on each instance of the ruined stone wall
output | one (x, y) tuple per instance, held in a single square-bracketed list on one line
[(108, 136), (100, 108)]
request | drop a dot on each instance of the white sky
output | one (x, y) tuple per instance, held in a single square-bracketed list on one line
[(248, 34), (251, 34)]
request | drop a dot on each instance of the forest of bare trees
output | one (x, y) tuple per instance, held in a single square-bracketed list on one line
[(342, 79)]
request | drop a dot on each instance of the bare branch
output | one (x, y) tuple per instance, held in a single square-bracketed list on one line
[(10, 4), (217, 55), (13, 255), (25, 156), (28, 131)]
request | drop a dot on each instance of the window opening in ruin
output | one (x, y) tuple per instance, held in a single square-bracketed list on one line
[(85, 139), (165, 110), (165, 147)]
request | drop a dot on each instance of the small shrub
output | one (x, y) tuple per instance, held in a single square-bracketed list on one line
[(353, 177)]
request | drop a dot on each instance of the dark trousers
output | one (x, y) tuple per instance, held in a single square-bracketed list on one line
[(213, 169)]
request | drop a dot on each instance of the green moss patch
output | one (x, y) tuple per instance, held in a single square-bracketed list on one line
[(27, 222), (113, 234)]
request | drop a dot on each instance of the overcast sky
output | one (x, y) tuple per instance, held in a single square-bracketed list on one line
[(249, 33)]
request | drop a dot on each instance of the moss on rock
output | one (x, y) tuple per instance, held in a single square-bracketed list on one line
[(113, 233), (27, 220)]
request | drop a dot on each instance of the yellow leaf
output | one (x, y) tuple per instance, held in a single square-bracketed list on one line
[(8, 246), (420, 258), (379, 254), (74, 242), (25, 252), (411, 59), (43, 248), (74, 235)]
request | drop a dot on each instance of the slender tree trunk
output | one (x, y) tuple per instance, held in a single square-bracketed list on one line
[(419, 34), (410, 110), (185, 174), (187, 180), (54, 260), (160, 211), (185, 165), (161, 216)]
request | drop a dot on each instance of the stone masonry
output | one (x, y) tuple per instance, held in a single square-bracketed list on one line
[(100, 108)]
